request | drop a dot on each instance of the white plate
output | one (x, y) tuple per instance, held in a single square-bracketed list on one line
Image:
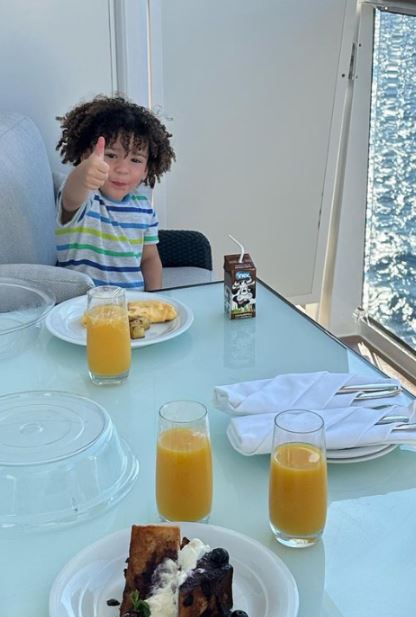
[(359, 455), (262, 585), (64, 320)]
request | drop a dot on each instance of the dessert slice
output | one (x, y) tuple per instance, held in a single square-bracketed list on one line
[(207, 589), (150, 545), (169, 578)]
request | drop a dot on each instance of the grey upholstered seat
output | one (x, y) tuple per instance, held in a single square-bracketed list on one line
[(27, 230), (27, 196)]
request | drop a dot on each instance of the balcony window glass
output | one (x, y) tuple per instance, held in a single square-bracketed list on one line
[(389, 295)]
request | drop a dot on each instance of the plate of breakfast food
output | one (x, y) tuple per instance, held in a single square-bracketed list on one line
[(175, 570), (153, 319)]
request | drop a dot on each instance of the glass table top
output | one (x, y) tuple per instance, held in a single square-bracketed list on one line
[(364, 564)]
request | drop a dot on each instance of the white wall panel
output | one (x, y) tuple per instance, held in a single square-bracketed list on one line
[(250, 88), (53, 54)]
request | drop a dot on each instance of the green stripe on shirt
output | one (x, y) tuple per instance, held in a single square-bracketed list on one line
[(99, 234), (95, 249)]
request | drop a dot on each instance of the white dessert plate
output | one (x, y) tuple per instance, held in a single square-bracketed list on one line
[(262, 586), (359, 455), (64, 320)]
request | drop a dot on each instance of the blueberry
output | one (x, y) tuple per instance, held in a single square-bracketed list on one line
[(113, 602), (239, 614), (219, 556)]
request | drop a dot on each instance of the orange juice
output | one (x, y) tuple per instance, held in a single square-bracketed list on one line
[(298, 489), (183, 474), (108, 340)]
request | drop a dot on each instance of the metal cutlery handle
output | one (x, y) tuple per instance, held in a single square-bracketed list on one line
[(367, 396), (393, 419), (405, 427), (370, 387)]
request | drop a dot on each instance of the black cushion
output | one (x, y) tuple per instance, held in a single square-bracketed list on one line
[(182, 247)]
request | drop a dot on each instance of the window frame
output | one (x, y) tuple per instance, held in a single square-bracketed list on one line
[(349, 267)]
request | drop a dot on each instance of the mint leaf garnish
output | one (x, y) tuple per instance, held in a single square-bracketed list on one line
[(141, 607)]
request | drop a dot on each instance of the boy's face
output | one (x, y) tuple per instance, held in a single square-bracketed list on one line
[(127, 169)]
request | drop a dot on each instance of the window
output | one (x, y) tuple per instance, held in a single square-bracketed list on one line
[(389, 294)]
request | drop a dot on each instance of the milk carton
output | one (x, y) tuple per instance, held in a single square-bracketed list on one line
[(239, 286)]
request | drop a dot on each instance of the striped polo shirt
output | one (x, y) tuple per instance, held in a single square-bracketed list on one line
[(105, 238)]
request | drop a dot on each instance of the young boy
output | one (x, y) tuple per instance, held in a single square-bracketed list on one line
[(105, 226)]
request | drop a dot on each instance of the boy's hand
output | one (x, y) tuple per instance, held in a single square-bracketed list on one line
[(95, 169)]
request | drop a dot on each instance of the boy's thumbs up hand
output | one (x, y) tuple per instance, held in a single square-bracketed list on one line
[(100, 148), (95, 168)]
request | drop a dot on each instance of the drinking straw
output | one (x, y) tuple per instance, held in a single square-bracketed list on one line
[(241, 247)]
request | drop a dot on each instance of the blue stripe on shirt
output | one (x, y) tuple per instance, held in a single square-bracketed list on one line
[(104, 219), (129, 209), (94, 264), (119, 207)]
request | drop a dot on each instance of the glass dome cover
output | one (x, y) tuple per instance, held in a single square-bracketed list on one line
[(61, 459), (22, 304)]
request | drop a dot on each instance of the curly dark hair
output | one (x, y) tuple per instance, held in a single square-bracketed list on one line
[(114, 117)]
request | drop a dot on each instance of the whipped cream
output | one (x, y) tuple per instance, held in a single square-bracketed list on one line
[(188, 557), (163, 601)]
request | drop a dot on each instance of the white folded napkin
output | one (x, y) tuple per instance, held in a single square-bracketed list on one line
[(344, 428), (298, 390)]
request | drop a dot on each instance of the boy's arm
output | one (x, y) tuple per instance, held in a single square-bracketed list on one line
[(88, 176), (151, 267)]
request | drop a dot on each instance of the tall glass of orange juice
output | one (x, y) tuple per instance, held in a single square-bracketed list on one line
[(298, 478), (183, 462), (108, 335)]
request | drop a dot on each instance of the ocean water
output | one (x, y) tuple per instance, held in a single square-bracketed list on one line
[(390, 262)]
